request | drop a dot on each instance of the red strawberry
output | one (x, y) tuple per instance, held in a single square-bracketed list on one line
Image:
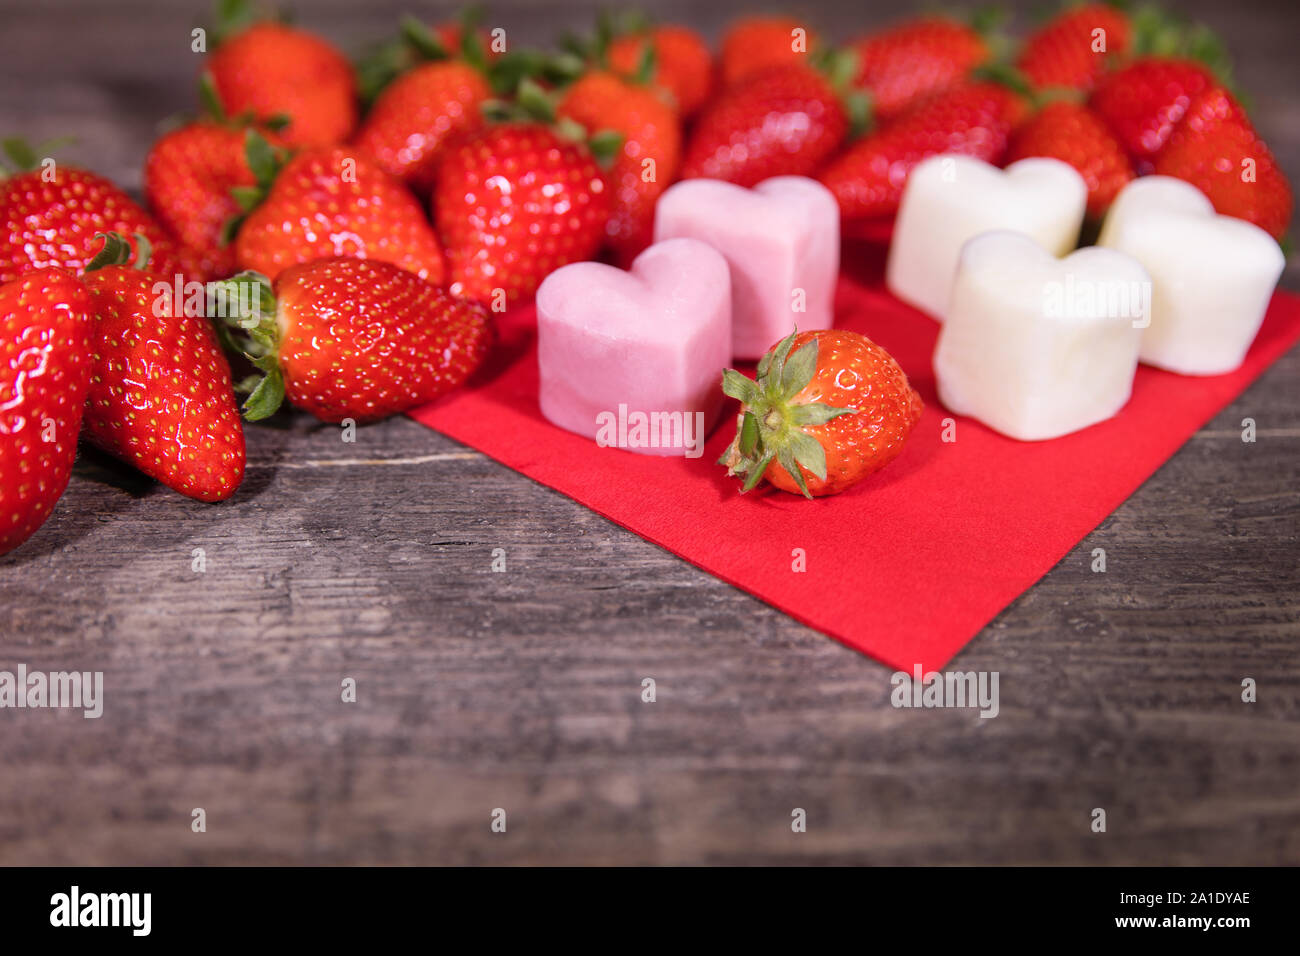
[(45, 332), (1073, 48), (334, 202), (356, 338), (753, 44), (682, 63), (160, 397), (1075, 135), (417, 113), (418, 44), (784, 121), (914, 59), (974, 120), (188, 178), (1216, 149), (513, 204), (828, 409), (649, 130), (1143, 102), (274, 71), (50, 217)]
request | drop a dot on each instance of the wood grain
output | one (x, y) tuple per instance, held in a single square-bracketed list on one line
[(521, 689)]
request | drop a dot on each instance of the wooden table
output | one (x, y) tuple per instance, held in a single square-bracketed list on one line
[(522, 690)]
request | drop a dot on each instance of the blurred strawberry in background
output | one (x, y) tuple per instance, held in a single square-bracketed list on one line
[(781, 121), (1074, 47), (513, 203), (906, 62), (417, 112), (1073, 134), (1143, 102), (975, 119), (752, 44), (277, 72), (679, 60), (192, 177), (1216, 149), (647, 157), (329, 202)]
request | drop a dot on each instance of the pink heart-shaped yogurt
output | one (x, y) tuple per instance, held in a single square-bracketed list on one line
[(782, 241), (634, 359)]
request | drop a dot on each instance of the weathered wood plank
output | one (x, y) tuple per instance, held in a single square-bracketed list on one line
[(522, 690)]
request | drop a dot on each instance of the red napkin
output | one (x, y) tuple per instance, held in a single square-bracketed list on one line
[(908, 565)]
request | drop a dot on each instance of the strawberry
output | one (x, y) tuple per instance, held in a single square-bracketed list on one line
[(682, 63), (1074, 134), (270, 70), (783, 121), (649, 130), (418, 44), (354, 338), (1073, 48), (45, 333), (1143, 102), (513, 204), (973, 120), (914, 59), (50, 218), (752, 44), (160, 396), (827, 410), (417, 113), (1216, 149), (188, 178), (332, 202)]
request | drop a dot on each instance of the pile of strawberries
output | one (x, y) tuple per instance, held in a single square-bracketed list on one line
[(340, 234)]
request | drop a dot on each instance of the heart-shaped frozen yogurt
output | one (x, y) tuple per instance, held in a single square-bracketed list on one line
[(950, 199), (1212, 276), (782, 241), (1036, 347), (634, 359)]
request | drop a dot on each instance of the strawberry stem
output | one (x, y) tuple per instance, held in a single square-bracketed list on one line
[(771, 423), (244, 310), (116, 251)]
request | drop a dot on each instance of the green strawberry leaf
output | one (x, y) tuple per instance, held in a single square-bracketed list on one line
[(421, 39), (808, 451), (247, 197), (740, 387), (143, 250), (815, 413), (248, 384), (787, 461), (756, 473), (646, 66), (20, 152), (799, 370), (605, 145), (535, 101), (210, 98), (116, 252), (471, 44), (748, 435), (232, 17), (266, 397), (261, 157), (775, 370)]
